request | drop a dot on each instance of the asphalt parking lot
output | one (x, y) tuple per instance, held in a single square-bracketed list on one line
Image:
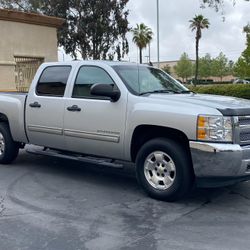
[(49, 203)]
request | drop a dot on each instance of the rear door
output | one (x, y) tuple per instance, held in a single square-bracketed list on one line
[(45, 107)]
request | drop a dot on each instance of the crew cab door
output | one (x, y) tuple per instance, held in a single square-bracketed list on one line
[(94, 125), (45, 107)]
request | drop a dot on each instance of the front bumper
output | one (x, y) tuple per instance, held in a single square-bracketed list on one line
[(219, 164)]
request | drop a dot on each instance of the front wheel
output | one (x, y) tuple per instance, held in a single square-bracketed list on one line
[(164, 169), (8, 148)]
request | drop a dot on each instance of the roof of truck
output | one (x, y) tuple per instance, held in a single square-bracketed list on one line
[(113, 63), (110, 63)]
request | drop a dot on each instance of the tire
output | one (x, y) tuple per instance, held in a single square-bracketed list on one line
[(8, 148), (164, 169)]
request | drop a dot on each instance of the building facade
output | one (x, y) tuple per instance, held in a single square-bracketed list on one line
[(26, 41)]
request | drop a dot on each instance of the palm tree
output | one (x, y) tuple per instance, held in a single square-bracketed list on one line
[(246, 29), (142, 36), (198, 23)]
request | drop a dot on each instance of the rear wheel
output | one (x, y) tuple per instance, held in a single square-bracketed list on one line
[(164, 169), (8, 148)]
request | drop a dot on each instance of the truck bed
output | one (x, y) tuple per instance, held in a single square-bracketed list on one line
[(18, 95), (13, 106), (14, 93)]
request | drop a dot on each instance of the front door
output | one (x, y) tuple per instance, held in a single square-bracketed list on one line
[(94, 125), (45, 108)]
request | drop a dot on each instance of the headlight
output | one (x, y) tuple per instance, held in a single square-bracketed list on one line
[(214, 128)]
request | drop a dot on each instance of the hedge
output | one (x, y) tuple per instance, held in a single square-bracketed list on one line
[(236, 90)]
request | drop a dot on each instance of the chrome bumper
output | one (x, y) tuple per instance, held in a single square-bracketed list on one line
[(220, 160)]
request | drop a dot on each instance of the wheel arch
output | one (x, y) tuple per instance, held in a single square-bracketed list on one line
[(144, 133), (4, 118)]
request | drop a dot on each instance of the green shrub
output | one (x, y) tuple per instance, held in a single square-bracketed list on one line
[(236, 90)]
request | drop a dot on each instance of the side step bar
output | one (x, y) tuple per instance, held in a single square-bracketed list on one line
[(75, 157)]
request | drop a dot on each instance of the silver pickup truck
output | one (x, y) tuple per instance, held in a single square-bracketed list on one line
[(106, 111)]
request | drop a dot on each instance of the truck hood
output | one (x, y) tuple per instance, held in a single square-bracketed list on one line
[(226, 105)]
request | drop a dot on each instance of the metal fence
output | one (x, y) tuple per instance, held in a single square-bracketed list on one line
[(25, 71)]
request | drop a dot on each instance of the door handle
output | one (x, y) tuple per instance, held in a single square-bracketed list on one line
[(74, 108), (35, 105)]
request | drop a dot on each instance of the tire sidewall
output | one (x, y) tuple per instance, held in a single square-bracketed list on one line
[(183, 174), (2, 131), (11, 148)]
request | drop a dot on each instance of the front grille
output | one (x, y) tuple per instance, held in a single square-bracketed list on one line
[(244, 125), (244, 136), (244, 120)]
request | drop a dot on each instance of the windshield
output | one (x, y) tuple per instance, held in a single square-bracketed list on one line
[(142, 80)]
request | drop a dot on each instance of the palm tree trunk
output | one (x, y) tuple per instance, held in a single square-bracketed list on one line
[(197, 62), (140, 55)]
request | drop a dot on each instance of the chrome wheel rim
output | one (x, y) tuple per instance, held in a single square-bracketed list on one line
[(2, 144), (160, 170)]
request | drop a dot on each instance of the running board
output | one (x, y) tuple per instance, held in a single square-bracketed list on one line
[(85, 159)]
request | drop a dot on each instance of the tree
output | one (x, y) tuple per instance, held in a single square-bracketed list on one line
[(220, 66), (197, 24), (142, 36), (167, 69), (95, 29), (184, 67), (216, 4), (205, 67), (242, 66), (230, 67), (24, 5)]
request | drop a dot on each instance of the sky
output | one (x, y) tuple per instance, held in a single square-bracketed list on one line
[(175, 35)]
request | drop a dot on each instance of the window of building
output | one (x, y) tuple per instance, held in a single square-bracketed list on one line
[(25, 71), (53, 81), (88, 76)]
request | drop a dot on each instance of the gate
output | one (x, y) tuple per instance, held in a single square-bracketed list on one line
[(25, 71)]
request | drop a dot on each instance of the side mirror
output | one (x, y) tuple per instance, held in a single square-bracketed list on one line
[(106, 90)]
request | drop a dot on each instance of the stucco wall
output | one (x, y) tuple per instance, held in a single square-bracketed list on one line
[(27, 40), (7, 76)]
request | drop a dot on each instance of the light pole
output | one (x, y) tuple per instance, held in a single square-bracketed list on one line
[(60, 50), (158, 35), (149, 52)]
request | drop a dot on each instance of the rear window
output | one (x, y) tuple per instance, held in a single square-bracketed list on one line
[(53, 81)]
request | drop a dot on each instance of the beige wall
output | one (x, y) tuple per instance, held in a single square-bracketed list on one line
[(7, 76), (27, 40)]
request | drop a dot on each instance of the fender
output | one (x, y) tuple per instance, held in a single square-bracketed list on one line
[(13, 108)]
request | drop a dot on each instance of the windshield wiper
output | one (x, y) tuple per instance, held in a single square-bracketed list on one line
[(158, 91), (185, 92)]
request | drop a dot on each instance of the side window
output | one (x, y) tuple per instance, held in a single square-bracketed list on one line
[(53, 81), (87, 76)]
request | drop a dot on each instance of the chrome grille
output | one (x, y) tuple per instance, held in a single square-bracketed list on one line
[(244, 120), (245, 136), (244, 125)]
